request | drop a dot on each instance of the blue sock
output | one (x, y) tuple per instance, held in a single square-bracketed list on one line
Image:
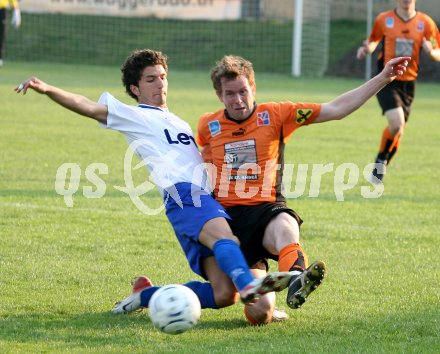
[(230, 259), (147, 294), (204, 292)]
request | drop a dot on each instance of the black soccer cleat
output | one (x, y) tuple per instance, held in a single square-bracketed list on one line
[(305, 283), (379, 171)]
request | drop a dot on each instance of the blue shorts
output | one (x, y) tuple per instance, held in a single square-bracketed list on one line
[(188, 208)]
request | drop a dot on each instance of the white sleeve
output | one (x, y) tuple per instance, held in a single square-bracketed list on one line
[(104, 100), (121, 117)]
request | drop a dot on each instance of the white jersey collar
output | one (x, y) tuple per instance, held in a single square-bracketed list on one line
[(141, 105)]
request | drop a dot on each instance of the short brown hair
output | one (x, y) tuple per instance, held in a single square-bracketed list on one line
[(136, 63), (230, 67)]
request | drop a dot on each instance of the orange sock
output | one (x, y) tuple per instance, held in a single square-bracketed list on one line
[(389, 144), (386, 141), (292, 257)]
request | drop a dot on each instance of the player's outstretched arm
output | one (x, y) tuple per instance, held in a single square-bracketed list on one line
[(350, 101), (74, 102)]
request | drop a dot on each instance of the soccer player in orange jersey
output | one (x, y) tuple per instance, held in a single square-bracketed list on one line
[(245, 143), (403, 31)]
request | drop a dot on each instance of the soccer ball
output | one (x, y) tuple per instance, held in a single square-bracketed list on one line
[(174, 309)]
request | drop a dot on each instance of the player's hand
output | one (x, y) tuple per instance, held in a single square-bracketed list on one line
[(396, 67), (16, 18), (33, 83), (427, 46), (362, 51)]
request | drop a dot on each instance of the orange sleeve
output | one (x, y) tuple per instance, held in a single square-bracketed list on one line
[(376, 34), (432, 33), (297, 115), (438, 39)]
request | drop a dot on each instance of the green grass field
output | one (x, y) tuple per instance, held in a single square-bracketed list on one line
[(61, 268)]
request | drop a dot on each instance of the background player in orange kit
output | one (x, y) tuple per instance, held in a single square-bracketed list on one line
[(402, 32), (245, 143), (15, 21)]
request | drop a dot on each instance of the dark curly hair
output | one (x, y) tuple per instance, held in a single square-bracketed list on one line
[(136, 63)]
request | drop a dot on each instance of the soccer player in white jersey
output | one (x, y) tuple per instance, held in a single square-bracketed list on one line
[(167, 146)]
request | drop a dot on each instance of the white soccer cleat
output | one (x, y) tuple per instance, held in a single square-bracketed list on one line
[(276, 281), (133, 302), (130, 304)]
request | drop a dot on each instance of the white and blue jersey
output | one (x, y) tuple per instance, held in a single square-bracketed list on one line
[(161, 139), (167, 146)]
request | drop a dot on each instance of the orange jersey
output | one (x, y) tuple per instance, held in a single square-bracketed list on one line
[(247, 157), (404, 38)]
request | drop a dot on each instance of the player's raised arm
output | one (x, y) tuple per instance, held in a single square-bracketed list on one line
[(74, 102), (348, 102)]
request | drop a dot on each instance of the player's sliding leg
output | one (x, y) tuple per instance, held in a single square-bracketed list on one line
[(230, 260), (229, 254), (133, 302), (217, 236), (143, 289)]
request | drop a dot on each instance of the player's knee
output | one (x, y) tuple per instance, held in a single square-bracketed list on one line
[(211, 233), (396, 128), (396, 120), (226, 297), (281, 231)]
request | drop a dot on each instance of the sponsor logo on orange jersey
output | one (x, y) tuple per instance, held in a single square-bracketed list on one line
[(263, 118), (214, 127), (303, 114), (389, 22), (239, 132)]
